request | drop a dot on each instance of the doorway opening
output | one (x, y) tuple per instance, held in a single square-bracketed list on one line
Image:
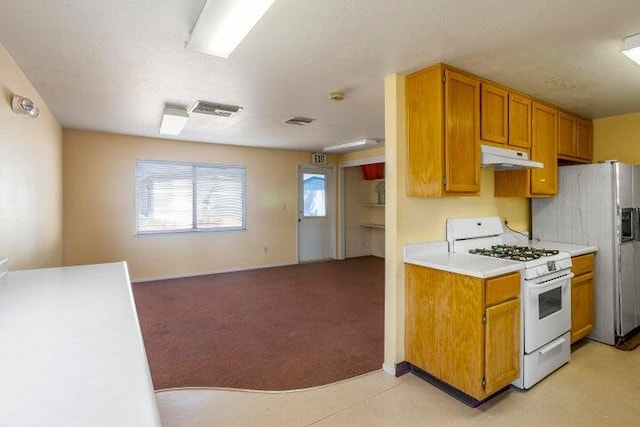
[(362, 213)]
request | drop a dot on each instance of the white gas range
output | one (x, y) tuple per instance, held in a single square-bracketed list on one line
[(545, 292)]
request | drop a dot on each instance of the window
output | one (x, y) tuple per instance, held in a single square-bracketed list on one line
[(177, 196), (313, 186)]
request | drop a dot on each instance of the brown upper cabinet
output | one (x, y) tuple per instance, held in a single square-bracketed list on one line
[(584, 140), (443, 150), (544, 181), (575, 143), (494, 114), (451, 112), (567, 134), (505, 117), (535, 182)]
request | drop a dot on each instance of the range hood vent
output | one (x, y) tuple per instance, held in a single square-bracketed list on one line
[(505, 159), (214, 109)]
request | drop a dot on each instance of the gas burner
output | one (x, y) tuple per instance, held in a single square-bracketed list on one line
[(514, 252)]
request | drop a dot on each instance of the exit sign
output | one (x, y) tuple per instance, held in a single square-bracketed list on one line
[(319, 159)]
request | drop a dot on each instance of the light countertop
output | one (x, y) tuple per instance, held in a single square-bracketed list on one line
[(515, 238), (435, 255), (71, 351), (574, 250)]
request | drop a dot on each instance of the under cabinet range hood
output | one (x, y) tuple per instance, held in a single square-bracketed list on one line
[(506, 159)]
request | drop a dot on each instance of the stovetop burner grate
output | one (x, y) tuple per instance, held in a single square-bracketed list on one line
[(513, 252)]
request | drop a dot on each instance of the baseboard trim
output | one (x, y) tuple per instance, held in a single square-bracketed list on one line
[(403, 368), (450, 390), (398, 370), (204, 273)]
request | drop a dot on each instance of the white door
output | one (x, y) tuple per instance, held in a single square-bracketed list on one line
[(316, 211)]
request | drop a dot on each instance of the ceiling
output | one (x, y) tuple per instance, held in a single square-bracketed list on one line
[(111, 66)]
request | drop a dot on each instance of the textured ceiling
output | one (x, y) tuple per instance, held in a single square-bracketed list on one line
[(111, 65)]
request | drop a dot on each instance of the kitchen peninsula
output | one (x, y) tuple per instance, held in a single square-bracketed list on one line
[(462, 327), (72, 353), (476, 324)]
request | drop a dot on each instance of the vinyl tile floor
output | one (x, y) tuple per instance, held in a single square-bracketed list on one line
[(599, 387)]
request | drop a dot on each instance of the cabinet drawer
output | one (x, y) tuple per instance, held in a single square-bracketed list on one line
[(502, 288), (582, 264)]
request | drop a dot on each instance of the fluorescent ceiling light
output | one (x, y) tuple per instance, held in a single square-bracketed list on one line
[(173, 120), (631, 48), (223, 24), (351, 145)]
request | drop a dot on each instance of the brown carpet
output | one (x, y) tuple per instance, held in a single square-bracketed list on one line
[(277, 328)]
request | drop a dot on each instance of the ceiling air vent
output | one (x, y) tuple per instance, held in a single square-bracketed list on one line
[(213, 109), (299, 121)]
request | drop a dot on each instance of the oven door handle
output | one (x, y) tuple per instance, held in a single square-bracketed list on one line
[(548, 348), (550, 282)]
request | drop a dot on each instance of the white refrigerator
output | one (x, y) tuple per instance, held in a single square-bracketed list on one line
[(597, 204)]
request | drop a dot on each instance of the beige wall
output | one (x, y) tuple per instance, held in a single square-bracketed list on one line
[(362, 154), (30, 177), (617, 137), (99, 207), (413, 220), (357, 238)]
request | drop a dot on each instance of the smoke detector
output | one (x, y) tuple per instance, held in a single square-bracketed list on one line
[(336, 95), (298, 121), (214, 109)]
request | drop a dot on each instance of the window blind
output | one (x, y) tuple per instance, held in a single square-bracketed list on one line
[(178, 196)]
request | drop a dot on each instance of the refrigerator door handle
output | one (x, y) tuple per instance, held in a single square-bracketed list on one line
[(635, 223)]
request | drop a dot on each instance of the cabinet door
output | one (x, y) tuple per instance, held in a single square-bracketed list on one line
[(519, 121), (494, 114), (581, 306), (425, 172), (502, 345), (566, 134), (584, 137), (462, 149), (543, 149)]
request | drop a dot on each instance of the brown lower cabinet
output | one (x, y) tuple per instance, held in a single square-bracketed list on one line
[(582, 296), (463, 330)]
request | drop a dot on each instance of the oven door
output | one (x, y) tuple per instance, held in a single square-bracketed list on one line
[(546, 310)]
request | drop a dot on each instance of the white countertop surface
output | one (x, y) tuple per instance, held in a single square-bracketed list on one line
[(435, 255), (71, 351), (574, 250)]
